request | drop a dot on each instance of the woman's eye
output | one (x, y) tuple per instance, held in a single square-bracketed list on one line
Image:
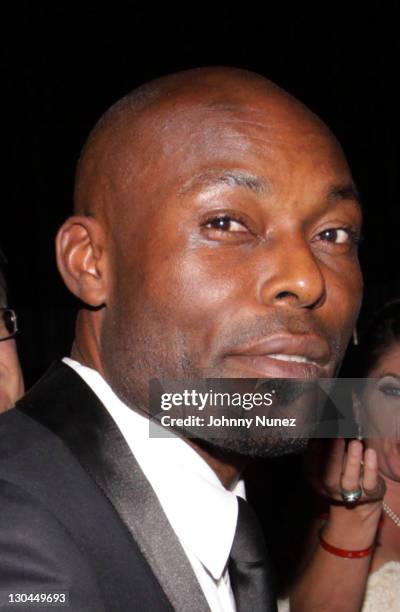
[(390, 390), (337, 235), (225, 224)]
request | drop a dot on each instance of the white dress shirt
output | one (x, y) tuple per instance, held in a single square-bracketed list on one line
[(201, 511)]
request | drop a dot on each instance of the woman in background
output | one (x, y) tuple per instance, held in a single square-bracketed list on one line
[(354, 560)]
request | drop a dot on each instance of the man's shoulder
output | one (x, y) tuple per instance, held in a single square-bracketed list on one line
[(30, 433), (22, 439), (32, 455), (35, 460)]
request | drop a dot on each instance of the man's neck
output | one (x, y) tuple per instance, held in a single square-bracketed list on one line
[(227, 466)]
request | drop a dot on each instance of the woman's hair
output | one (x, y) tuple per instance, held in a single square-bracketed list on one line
[(381, 334)]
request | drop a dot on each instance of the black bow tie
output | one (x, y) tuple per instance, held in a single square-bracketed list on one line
[(250, 571)]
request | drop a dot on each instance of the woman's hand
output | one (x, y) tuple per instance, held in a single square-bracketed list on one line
[(331, 469)]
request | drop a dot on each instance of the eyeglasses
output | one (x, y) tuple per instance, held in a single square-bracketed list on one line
[(8, 323)]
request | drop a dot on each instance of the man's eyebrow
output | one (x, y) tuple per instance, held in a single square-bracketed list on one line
[(344, 192), (233, 178)]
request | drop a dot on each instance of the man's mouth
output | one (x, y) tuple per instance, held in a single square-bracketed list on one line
[(286, 356)]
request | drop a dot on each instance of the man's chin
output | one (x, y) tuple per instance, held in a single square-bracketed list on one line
[(253, 448)]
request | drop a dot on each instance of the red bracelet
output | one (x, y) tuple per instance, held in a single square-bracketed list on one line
[(341, 552)]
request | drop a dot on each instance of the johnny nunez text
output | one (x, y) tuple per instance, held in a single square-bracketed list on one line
[(212, 421)]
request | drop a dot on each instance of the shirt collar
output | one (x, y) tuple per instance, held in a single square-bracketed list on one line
[(201, 511)]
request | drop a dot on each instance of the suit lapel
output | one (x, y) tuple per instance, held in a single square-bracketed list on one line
[(66, 405)]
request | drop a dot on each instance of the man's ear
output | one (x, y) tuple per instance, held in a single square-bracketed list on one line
[(81, 259)]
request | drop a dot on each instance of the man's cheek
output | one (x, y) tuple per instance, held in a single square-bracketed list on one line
[(344, 295), (200, 283)]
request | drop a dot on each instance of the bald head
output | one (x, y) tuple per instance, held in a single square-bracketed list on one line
[(143, 124)]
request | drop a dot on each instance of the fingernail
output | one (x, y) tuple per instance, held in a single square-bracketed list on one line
[(354, 449), (370, 458)]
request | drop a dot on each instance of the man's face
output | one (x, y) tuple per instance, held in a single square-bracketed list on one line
[(239, 256)]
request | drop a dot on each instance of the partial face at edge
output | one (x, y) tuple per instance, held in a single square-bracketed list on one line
[(11, 383), (239, 255), (11, 380), (381, 406)]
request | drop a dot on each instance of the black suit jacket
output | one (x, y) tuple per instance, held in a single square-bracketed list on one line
[(76, 512)]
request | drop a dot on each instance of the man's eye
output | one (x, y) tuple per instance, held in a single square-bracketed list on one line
[(338, 236), (225, 224)]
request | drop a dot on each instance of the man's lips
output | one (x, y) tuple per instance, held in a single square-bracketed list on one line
[(285, 356)]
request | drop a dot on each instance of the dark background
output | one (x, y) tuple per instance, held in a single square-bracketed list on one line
[(64, 63)]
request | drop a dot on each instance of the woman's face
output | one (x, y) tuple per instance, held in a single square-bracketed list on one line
[(380, 403)]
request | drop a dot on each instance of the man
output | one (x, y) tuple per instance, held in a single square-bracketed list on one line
[(11, 381), (215, 235)]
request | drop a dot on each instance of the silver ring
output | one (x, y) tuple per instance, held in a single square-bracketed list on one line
[(351, 497)]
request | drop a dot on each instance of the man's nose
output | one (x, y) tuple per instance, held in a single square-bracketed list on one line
[(293, 277)]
